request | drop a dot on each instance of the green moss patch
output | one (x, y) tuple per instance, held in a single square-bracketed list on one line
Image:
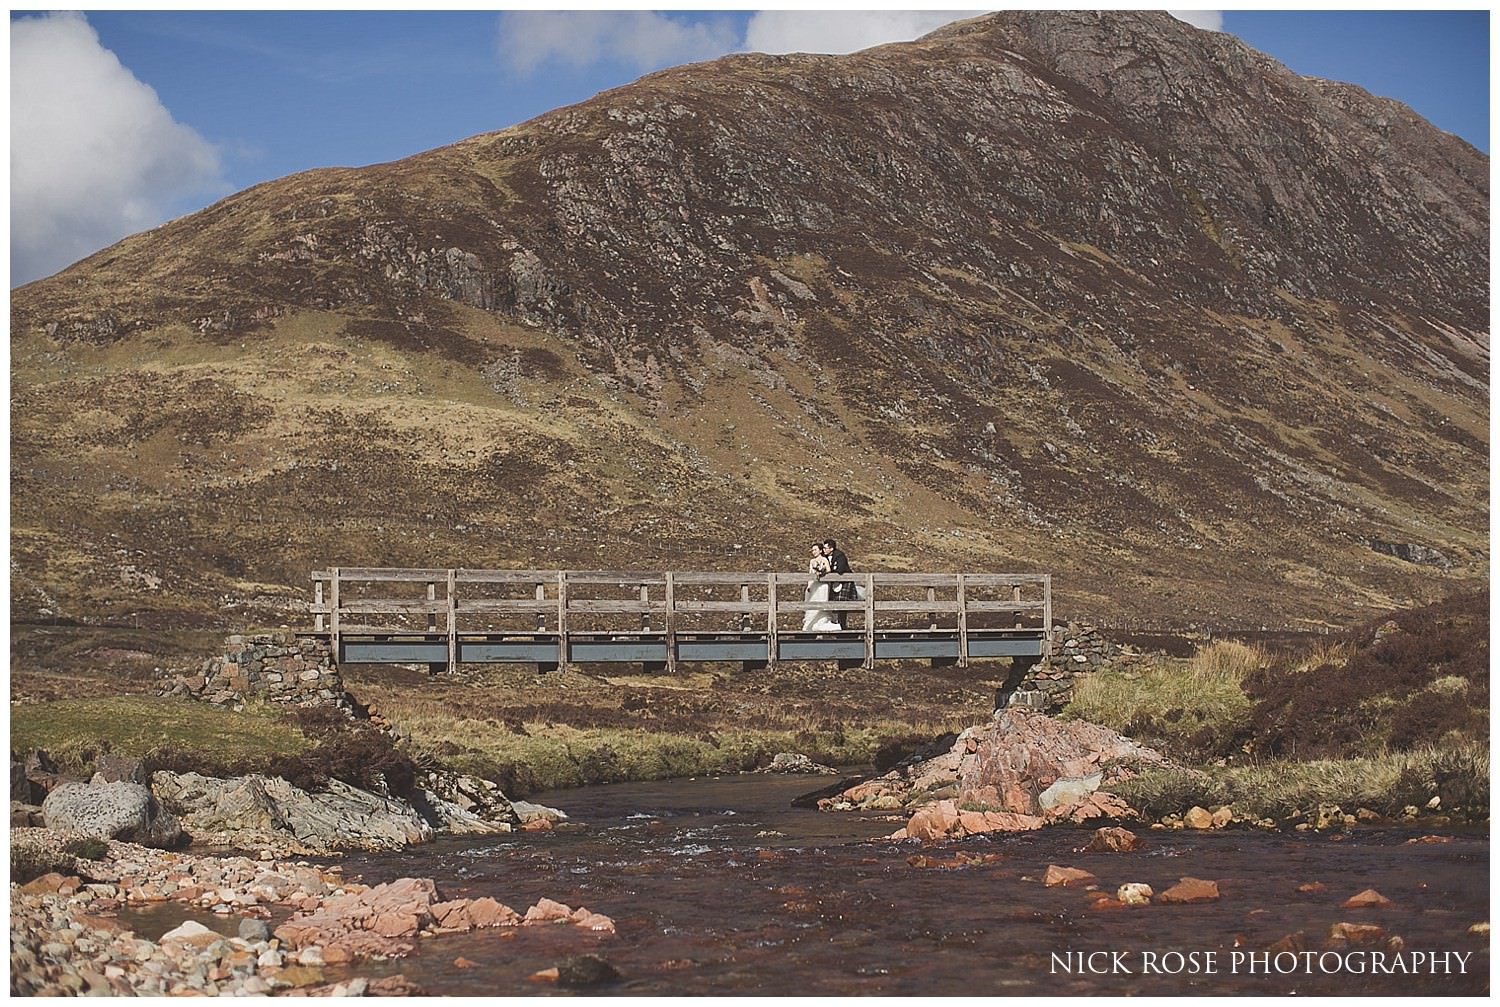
[(74, 731)]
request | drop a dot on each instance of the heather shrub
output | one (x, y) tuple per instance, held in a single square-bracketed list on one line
[(36, 853), (1417, 678), (86, 848), (357, 755)]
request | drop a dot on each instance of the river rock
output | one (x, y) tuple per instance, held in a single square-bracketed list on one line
[(121, 810), (40, 775), (379, 921), (1135, 893), (1190, 890), (469, 914), (1356, 933), (111, 768), (1099, 804), (1067, 877), (464, 803), (1367, 899), (393, 986), (449, 817), (1198, 818), (794, 762), (1113, 839), (1295, 942), (587, 919), (1021, 754), (251, 811), (528, 812), (1070, 790), (1023, 764), (548, 911), (186, 931), (254, 930), (586, 970)]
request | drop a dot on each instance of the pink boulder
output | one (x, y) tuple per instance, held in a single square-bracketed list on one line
[(1190, 890), (1112, 839), (1367, 899), (368, 922), (548, 911), (1067, 877)]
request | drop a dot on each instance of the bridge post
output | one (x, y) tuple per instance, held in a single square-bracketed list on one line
[(670, 599), (452, 620), (562, 619), (869, 621), (433, 668), (963, 625), (773, 647), (333, 615), (1020, 667), (1046, 615)]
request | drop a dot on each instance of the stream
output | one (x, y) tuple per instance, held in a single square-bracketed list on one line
[(720, 886)]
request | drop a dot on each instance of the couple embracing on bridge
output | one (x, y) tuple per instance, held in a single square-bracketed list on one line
[(826, 559)]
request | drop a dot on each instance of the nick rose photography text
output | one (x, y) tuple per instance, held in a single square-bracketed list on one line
[(1260, 962)]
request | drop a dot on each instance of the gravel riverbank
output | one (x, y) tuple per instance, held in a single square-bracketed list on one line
[(287, 925)]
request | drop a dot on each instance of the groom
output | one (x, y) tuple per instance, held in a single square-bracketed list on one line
[(838, 563)]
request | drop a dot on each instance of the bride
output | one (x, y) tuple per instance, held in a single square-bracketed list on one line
[(816, 620)]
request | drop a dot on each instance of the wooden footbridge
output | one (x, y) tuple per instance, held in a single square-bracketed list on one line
[(554, 618)]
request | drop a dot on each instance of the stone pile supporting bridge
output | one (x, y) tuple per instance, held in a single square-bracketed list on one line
[(556, 618)]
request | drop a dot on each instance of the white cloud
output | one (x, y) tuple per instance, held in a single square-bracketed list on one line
[(1208, 20), (638, 40), (94, 155), (647, 40), (841, 31)]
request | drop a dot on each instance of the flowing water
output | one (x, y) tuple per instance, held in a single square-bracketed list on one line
[(720, 886)]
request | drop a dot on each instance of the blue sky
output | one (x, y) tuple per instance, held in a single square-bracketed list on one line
[(121, 120)]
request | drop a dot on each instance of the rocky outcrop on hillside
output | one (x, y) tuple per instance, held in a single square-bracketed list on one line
[(1094, 292)]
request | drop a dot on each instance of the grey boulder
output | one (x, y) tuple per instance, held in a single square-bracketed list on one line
[(119, 810)]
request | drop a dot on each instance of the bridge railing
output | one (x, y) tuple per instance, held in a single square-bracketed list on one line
[(564, 605)]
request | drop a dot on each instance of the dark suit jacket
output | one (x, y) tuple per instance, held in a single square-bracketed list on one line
[(839, 563)]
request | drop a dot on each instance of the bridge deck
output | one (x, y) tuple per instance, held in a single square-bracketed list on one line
[(563, 617)]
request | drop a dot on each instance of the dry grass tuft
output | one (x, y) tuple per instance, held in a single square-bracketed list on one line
[(1458, 777), (1193, 709)]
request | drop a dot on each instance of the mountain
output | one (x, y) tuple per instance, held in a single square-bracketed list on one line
[(1093, 293)]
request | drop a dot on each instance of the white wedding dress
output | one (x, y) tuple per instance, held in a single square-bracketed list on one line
[(817, 620)]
